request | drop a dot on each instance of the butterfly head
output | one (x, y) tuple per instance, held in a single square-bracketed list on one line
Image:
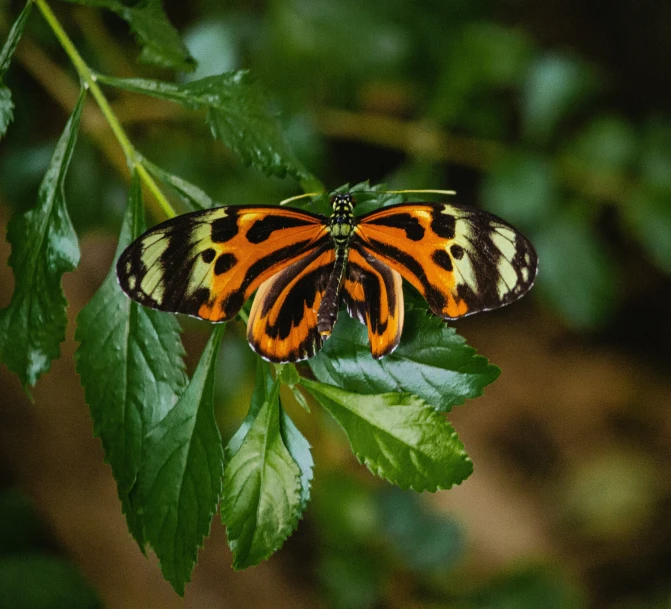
[(342, 203)]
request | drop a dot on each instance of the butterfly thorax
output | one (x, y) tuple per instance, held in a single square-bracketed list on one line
[(341, 226)]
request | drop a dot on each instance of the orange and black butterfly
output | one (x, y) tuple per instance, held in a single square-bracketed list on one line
[(300, 264)]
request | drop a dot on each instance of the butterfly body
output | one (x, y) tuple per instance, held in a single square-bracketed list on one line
[(302, 265)]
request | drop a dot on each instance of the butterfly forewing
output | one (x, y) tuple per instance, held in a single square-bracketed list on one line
[(207, 263), (462, 260), (373, 294), (283, 321)]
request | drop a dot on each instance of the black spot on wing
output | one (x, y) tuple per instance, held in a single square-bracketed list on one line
[(457, 251), (443, 224), (442, 259), (226, 227), (413, 229), (224, 263), (261, 230), (208, 255)]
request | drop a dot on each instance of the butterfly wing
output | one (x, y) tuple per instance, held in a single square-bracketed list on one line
[(462, 260), (282, 323), (207, 263), (373, 294)]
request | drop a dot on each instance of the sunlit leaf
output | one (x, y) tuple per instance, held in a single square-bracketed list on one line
[(398, 436), (181, 474), (238, 113), (432, 362), (262, 499), (44, 247), (130, 363)]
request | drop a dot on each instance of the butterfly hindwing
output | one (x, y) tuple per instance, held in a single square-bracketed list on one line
[(283, 320), (373, 294), (462, 260), (207, 263)]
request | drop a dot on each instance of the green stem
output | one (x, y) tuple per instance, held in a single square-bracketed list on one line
[(87, 76)]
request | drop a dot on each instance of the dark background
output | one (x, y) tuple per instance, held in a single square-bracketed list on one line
[(554, 115)]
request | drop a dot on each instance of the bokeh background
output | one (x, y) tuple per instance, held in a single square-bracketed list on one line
[(557, 116)]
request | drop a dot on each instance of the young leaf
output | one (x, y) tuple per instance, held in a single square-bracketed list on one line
[(262, 499), (44, 247), (432, 362), (398, 436), (130, 363), (238, 113), (161, 43), (6, 104), (180, 480)]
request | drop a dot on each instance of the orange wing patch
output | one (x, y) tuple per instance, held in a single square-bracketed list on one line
[(462, 260), (208, 263), (282, 324), (373, 294)]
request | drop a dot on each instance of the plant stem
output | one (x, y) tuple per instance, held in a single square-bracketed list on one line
[(133, 158)]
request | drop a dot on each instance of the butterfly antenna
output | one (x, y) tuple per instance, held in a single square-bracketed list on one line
[(307, 194), (427, 191)]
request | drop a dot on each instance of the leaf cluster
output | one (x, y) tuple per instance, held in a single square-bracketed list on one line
[(158, 426)]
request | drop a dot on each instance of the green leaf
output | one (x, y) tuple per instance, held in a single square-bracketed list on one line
[(432, 362), (161, 43), (398, 436), (299, 448), (238, 113), (649, 213), (6, 104), (44, 247), (33, 581), (192, 195), (262, 498), (130, 363), (180, 480), (578, 275), (556, 85)]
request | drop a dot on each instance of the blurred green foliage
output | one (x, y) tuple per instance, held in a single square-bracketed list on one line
[(32, 576), (552, 151)]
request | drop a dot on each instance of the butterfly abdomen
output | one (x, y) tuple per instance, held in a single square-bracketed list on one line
[(328, 309)]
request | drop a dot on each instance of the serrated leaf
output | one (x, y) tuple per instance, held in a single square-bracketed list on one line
[(130, 363), (397, 436), (44, 247), (180, 480), (238, 113), (192, 195), (6, 104), (161, 43), (432, 362), (262, 498)]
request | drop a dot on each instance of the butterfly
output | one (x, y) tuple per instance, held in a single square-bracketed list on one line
[(301, 265)]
